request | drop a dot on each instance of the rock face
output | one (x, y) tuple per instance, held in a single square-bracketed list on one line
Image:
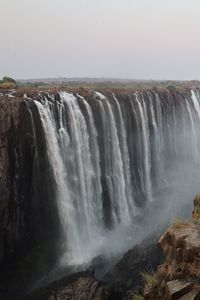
[(27, 202), (178, 277), (196, 211), (23, 188), (127, 273), (80, 286), (11, 219)]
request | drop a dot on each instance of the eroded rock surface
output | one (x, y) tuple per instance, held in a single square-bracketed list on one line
[(179, 276), (80, 286)]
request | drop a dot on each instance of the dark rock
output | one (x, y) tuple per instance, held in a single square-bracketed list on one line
[(80, 286), (177, 288), (127, 273)]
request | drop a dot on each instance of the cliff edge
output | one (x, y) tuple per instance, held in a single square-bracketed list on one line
[(179, 276)]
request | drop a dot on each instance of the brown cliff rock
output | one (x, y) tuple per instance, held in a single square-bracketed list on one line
[(196, 211), (179, 276)]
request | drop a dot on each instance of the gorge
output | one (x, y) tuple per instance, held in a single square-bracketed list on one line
[(91, 173)]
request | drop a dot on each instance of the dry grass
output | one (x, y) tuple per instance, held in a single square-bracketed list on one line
[(178, 223), (7, 85)]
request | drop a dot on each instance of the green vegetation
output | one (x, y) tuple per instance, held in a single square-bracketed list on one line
[(171, 87), (150, 281), (180, 87), (137, 296), (7, 79), (92, 84)]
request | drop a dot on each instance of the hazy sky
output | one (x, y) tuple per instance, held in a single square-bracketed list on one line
[(147, 39)]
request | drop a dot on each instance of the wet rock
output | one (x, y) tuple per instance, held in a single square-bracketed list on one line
[(127, 272), (80, 286)]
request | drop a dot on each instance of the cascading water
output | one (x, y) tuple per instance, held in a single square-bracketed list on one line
[(110, 156), (145, 147), (65, 205), (114, 171)]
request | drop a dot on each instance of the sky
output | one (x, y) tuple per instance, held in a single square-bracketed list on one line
[(136, 39)]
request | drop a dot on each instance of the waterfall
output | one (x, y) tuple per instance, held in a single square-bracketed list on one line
[(111, 155), (94, 150), (195, 99), (115, 176), (65, 206), (145, 146), (193, 134), (125, 158)]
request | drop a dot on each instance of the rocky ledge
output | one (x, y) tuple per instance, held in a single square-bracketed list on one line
[(179, 276)]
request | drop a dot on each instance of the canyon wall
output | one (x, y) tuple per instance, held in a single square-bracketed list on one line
[(84, 166)]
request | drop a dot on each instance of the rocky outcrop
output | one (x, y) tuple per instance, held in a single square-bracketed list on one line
[(179, 276), (127, 272), (80, 286), (119, 283)]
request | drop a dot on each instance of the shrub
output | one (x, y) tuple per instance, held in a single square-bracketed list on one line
[(137, 296), (171, 87), (150, 281), (6, 79)]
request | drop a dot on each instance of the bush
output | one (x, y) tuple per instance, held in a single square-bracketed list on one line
[(6, 79), (171, 87), (7, 83), (150, 281), (138, 296)]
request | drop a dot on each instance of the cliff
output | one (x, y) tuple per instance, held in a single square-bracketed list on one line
[(28, 218), (95, 159), (179, 276), (11, 215), (23, 188)]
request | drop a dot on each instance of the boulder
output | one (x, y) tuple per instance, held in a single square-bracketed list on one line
[(79, 286), (177, 288)]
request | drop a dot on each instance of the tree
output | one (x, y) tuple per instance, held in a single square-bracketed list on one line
[(6, 79)]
